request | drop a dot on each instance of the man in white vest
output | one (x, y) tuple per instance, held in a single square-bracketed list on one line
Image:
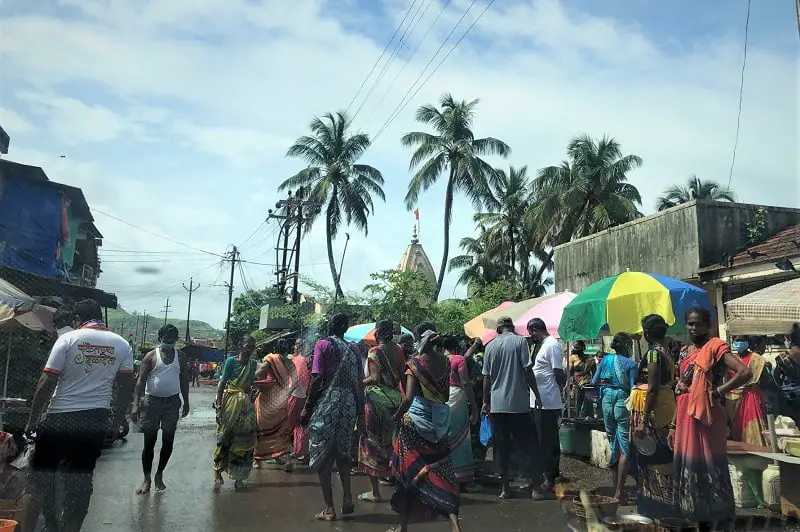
[(163, 379)]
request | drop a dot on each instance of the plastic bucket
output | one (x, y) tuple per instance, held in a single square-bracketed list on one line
[(7, 525)]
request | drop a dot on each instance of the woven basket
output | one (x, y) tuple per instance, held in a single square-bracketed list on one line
[(599, 505)]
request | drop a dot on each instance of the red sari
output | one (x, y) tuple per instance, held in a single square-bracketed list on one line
[(702, 483)]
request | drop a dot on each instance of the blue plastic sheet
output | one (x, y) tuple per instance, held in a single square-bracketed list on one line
[(30, 225)]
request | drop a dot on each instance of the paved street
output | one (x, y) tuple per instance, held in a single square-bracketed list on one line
[(274, 499)]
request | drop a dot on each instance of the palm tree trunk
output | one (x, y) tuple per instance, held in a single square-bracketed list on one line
[(448, 210), (513, 247), (331, 260), (563, 238)]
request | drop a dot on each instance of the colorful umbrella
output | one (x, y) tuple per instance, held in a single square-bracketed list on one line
[(366, 332), (620, 303), (548, 308), (475, 328)]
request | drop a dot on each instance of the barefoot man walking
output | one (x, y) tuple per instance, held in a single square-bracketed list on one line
[(163, 379)]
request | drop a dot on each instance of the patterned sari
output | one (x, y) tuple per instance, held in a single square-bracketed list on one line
[(425, 482), (459, 434), (277, 405), (381, 402), (744, 405), (702, 480), (296, 405), (654, 497), (236, 426), (331, 427)]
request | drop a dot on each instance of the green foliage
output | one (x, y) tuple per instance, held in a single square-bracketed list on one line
[(124, 323), (246, 312), (451, 315), (756, 227), (695, 189), (404, 297)]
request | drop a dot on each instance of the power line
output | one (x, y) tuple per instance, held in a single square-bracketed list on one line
[(404, 102), (397, 29), (741, 94), (392, 57), (256, 230), (413, 53), (156, 234)]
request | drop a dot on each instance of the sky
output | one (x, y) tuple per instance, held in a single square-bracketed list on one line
[(174, 116)]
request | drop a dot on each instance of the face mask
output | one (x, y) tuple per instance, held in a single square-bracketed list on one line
[(167, 346), (787, 343), (740, 347)]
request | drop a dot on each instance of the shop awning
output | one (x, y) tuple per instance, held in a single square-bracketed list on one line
[(771, 310)]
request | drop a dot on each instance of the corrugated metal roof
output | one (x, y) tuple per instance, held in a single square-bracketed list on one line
[(785, 244)]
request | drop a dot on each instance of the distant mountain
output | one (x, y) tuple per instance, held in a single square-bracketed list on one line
[(121, 322)]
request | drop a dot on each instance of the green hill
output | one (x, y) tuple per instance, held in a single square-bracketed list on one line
[(120, 321)]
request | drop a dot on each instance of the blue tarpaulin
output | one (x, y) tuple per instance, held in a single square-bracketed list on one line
[(30, 226)]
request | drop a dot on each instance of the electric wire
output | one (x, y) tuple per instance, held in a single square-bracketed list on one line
[(391, 58), (155, 234), (741, 94), (397, 29), (402, 105), (413, 53)]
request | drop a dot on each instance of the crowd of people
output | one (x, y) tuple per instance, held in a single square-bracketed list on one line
[(406, 413)]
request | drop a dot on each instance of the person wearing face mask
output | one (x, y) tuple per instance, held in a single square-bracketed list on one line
[(163, 379), (744, 404)]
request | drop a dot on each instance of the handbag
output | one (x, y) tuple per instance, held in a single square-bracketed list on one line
[(486, 431)]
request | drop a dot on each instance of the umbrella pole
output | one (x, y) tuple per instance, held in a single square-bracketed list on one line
[(5, 375), (569, 386)]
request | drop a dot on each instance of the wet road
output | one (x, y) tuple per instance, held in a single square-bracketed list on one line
[(274, 499)]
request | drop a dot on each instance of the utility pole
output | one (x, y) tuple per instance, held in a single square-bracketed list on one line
[(166, 311), (144, 329), (191, 289), (339, 274), (234, 253), (136, 328), (122, 328), (292, 219), (298, 237)]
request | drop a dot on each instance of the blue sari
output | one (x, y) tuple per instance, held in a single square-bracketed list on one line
[(616, 375)]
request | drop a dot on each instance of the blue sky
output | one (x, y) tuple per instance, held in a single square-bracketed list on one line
[(175, 115)]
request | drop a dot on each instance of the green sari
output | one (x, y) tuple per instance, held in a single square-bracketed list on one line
[(237, 430)]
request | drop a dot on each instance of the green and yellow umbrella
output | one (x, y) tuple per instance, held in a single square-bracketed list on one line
[(619, 303)]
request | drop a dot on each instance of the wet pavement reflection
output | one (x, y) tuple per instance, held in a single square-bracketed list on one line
[(274, 499)]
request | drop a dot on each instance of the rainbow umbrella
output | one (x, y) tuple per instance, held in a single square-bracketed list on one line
[(366, 333), (619, 303), (475, 327)]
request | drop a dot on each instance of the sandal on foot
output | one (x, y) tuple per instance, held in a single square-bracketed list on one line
[(367, 496), (325, 515)]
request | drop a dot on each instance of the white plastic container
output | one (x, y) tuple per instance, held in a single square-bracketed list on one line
[(743, 495), (771, 486)]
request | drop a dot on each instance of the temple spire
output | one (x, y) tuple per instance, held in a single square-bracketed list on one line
[(414, 239)]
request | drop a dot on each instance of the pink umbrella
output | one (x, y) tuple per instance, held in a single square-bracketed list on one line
[(549, 311)]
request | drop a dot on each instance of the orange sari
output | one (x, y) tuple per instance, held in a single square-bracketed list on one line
[(277, 403)]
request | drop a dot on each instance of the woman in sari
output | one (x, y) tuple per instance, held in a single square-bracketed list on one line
[(581, 369), (652, 408), (701, 481), (282, 383), (463, 414), (236, 417), (616, 375), (385, 364), (744, 404), (331, 412), (425, 484), (299, 432)]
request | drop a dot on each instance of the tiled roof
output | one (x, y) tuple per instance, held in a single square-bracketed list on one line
[(785, 244)]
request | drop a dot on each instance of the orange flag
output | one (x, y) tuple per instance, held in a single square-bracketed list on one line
[(416, 213)]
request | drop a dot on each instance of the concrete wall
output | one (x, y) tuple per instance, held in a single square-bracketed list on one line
[(676, 243)]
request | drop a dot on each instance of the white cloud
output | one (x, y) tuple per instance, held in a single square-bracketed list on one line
[(13, 121), (240, 79)]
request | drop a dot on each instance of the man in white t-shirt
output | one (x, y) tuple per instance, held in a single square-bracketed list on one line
[(546, 403), (77, 382)]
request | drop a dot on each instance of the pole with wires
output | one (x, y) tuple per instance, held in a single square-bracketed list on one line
[(233, 256), (144, 328), (192, 289)]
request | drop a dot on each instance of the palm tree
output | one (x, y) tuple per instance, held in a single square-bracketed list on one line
[(334, 179), (479, 268), (695, 188), (587, 193), (508, 200), (452, 148)]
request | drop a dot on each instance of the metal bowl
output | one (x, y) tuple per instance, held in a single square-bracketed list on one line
[(629, 523), (646, 445)]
